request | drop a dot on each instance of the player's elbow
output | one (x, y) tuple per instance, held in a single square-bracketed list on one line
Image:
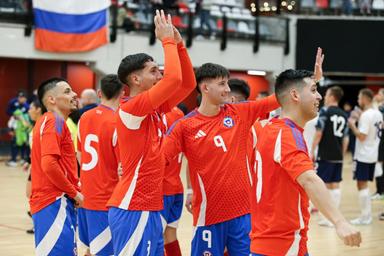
[(48, 163), (173, 78), (308, 180)]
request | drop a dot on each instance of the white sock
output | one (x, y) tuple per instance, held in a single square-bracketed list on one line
[(365, 203), (336, 196)]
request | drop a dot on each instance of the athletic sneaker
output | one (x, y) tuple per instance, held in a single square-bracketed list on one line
[(377, 196), (381, 216), (361, 221), (325, 223), (11, 164)]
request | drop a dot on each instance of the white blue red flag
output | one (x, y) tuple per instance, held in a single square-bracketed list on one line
[(70, 25)]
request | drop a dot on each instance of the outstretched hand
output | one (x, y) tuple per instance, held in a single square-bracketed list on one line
[(318, 72), (177, 35), (163, 26)]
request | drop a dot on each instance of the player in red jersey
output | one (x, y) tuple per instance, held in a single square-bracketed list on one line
[(285, 178), (99, 158), (54, 172), (214, 140), (134, 213), (173, 191)]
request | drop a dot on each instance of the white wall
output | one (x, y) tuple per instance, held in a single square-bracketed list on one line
[(237, 56)]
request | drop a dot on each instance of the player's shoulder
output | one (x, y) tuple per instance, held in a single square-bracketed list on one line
[(292, 134), (51, 120)]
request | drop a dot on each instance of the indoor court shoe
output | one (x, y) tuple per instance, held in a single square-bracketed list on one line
[(377, 196), (11, 164), (325, 223), (381, 216), (362, 221)]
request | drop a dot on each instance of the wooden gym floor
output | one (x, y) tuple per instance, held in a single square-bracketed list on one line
[(323, 241)]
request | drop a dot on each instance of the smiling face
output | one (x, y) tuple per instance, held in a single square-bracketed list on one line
[(309, 99), (147, 77), (216, 90), (63, 98)]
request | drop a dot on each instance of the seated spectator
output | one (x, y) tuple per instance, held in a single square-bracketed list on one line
[(88, 100)]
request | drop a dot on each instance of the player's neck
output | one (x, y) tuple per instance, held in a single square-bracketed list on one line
[(208, 109), (133, 91), (58, 112), (368, 106), (333, 104), (293, 116), (113, 104)]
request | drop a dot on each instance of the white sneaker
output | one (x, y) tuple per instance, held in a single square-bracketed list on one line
[(377, 196), (325, 223), (11, 164), (361, 221)]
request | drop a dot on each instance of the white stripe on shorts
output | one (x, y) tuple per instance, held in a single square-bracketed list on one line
[(99, 242), (134, 241), (49, 240)]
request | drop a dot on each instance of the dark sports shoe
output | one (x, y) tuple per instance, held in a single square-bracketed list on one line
[(381, 216), (29, 214), (30, 231)]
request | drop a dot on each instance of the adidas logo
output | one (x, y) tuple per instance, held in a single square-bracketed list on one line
[(200, 134)]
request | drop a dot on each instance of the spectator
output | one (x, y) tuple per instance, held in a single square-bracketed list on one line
[(365, 7), (347, 7), (16, 109), (204, 10), (88, 100)]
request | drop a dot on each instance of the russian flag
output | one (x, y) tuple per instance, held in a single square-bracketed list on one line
[(70, 25)]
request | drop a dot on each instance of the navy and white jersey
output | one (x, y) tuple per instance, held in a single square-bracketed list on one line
[(334, 126)]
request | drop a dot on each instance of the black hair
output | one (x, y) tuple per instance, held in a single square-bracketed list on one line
[(288, 78), (130, 64), (111, 86), (45, 86), (37, 104), (210, 71), (239, 86)]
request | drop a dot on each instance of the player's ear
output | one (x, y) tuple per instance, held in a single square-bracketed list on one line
[(204, 87), (294, 93), (99, 93)]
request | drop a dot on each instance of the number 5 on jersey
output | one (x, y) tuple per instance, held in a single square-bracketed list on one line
[(219, 142), (92, 151)]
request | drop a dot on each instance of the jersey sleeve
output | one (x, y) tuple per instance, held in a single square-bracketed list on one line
[(188, 78), (173, 142), (115, 145), (250, 111), (294, 158), (50, 133), (320, 124), (364, 122)]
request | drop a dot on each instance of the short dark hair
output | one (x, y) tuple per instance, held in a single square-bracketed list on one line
[(130, 64), (289, 78), (111, 86), (210, 71), (337, 92), (239, 86), (37, 104), (45, 86), (367, 93)]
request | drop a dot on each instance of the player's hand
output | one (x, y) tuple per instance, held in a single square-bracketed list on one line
[(352, 121), (348, 234), (163, 26), (318, 72), (79, 199), (188, 202), (177, 35), (25, 167)]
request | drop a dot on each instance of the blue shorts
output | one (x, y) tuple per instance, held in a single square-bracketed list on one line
[(55, 229), (329, 171), (94, 231), (232, 234), (363, 171), (136, 232), (173, 207)]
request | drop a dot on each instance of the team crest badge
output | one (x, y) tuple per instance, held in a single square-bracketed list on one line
[(228, 122), (207, 253)]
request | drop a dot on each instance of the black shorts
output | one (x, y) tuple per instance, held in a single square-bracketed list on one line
[(363, 171), (328, 171)]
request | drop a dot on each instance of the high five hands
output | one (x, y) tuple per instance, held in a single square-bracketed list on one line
[(164, 28)]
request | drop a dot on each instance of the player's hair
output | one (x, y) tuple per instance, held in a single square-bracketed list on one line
[(336, 92), (46, 86), (239, 86), (111, 86), (37, 104), (130, 64), (288, 79), (367, 93), (210, 71)]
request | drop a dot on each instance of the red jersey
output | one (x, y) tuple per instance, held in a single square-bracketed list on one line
[(172, 184), (216, 149), (140, 130), (51, 137), (97, 143), (279, 204)]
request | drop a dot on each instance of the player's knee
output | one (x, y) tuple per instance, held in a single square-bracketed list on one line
[(169, 235)]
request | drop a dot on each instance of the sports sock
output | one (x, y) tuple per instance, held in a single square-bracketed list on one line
[(173, 248), (365, 203)]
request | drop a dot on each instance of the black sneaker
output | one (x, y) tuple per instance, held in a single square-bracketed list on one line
[(29, 214), (381, 216), (31, 231)]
